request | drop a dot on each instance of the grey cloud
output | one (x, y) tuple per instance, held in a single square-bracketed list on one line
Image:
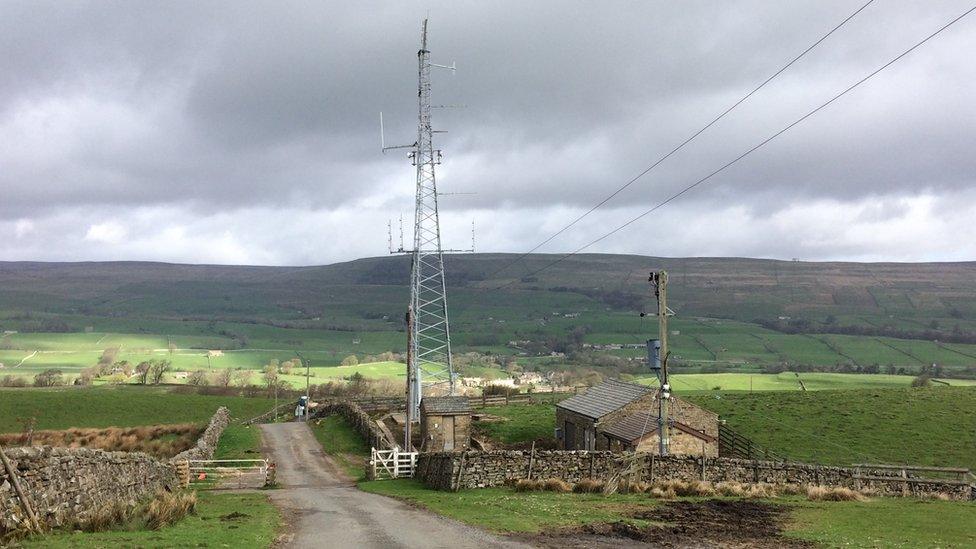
[(227, 108)]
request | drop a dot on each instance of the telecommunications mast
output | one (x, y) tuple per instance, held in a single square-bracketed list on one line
[(429, 362)]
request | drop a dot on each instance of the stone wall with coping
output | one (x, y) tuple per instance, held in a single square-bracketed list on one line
[(465, 470), (67, 485)]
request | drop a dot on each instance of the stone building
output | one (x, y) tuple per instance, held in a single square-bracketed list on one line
[(445, 423), (619, 416)]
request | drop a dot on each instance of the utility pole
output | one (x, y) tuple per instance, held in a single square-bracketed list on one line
[(413, 386), (659, 354), (308, 398), (429, 361)]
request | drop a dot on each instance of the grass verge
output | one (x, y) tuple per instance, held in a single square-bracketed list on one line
[(885, 522), (220, 520), (239, 442), (343, 443), (504, 510)]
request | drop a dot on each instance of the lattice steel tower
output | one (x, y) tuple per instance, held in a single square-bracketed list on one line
[(429, 335)]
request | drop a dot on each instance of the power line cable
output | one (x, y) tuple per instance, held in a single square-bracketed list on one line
[(686, 141), (748, 152)]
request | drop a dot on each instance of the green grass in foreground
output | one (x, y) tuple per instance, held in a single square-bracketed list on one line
[(117, 406), (881, 522), (343, 443), (892, 522), (210, 526), (504, 510), (929, 426)]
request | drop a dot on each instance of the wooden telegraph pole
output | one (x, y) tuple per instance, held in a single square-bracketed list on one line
[(659, 281), (411, 386)]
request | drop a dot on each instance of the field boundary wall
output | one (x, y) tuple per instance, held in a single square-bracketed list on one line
[(473, 469)]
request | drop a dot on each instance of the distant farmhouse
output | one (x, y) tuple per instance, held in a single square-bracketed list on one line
[(620, 416)]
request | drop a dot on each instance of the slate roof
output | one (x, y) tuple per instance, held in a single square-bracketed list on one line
[(604, 398), (445, 405), (635, 426)]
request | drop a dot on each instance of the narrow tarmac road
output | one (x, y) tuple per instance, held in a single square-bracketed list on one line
[(325, 510)]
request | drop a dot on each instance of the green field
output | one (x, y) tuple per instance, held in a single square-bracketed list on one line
[(788, 381), (928, 426), (932, 426), (117, 406)]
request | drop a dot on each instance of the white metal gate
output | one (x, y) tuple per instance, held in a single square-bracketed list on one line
[(393, 463)]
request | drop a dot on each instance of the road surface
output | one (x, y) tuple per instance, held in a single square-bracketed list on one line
[(325, 510)]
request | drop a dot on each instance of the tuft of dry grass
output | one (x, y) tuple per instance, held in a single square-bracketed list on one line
[(588, 486), (556, 485), (168, 508), (633, 487), (790, 489), (161, 441), (662, 493), (526, 485), (833, 493), (107, 517)]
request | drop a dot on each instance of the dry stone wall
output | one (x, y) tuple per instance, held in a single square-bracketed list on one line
[(465, 470), (207, 443), (65, 485), (360, 420)]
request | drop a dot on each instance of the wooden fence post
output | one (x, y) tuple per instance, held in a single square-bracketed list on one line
[(531, 461), (24, 502), (460, 472)]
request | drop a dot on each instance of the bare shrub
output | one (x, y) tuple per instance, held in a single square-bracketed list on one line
[(12, 381), (588, 486), (197, 378), (168, 508), (49, 378), (833, 493)]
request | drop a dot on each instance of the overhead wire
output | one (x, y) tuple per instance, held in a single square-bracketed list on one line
[(747, 152), (686, 141)]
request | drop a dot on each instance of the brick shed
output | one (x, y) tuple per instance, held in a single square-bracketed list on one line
[(618, 416), (445, 423)]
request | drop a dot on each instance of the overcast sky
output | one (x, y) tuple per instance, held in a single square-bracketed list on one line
[(248, 133)]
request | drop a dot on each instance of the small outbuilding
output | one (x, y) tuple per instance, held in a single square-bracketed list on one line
[(445, 423), (618, 416)]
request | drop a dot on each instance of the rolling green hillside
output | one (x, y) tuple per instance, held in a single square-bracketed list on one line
[(738, 315)]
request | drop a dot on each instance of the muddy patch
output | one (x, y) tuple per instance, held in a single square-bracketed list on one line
[(684, 524)]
